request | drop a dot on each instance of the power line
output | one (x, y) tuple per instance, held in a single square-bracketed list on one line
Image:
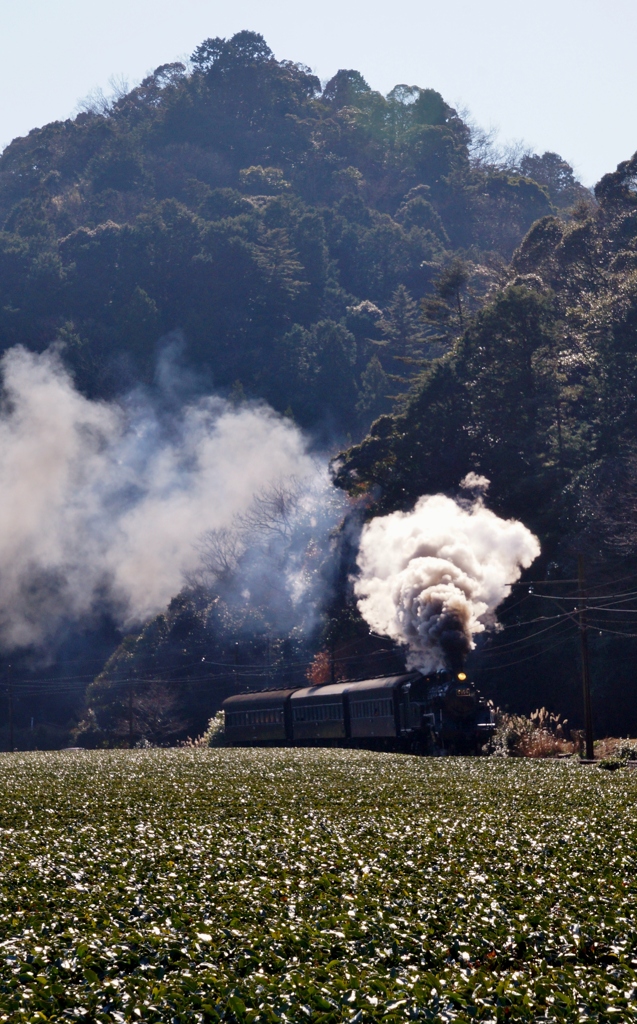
[(41, 687), (528, 622), (526, 639), (530, 657)]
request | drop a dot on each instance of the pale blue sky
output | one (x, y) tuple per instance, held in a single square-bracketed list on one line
[(559, 74)]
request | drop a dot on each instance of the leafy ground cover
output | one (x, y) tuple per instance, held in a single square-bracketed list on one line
[(314, 885)]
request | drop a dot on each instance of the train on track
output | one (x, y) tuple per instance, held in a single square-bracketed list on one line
[(428, 714)]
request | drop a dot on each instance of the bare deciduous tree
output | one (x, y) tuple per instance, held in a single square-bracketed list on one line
[(220, 551), (272, 509), (156, 713), (98, 102)]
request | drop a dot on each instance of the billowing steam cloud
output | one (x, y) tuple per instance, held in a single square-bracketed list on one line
[(108, 503), (432, 578)]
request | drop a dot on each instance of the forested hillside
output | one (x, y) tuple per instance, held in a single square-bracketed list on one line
[(285, 229), (344, 256), (539, 394)]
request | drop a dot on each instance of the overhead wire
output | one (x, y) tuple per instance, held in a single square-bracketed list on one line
[(606, 604), (601, 609), (528, 622), (38, 687), (525, 639), (530, 657)]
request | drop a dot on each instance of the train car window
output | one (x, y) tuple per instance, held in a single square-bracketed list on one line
[(261, 716), (383, 708), (318, 713)]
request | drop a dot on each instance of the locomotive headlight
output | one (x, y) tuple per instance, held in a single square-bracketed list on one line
[(462, 676)]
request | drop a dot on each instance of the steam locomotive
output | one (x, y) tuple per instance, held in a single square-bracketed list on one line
[(428, 714)]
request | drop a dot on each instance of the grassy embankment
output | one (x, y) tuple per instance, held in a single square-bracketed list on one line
[(315, 886)]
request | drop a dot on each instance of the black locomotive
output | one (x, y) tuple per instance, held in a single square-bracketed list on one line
[(438, 713)]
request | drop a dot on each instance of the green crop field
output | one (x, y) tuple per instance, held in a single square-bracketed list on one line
[(315, 885)]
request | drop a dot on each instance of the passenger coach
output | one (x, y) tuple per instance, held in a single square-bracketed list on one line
[(410, 711)]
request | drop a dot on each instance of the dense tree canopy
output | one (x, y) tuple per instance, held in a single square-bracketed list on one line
[(345, 256), (538, 394), (237, 202)]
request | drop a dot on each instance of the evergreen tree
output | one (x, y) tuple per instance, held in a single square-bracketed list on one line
[(402, 330), (374, 398)]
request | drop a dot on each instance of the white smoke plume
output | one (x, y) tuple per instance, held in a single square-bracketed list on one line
[(106, 503), (475, 482), (432, 578), (277, 558)]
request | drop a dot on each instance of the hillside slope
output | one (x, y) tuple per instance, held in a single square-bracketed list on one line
[(270, 221), (326, 250), (539, 395)]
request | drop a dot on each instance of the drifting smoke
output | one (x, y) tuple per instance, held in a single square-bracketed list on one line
[(108, 504), (432, 578), (276, 559)]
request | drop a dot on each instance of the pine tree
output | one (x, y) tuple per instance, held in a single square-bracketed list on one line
[(373, 392), (402, 328)]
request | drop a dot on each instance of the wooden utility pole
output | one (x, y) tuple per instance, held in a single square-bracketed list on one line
[(10, 686), (130, 714), (586, 668)]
